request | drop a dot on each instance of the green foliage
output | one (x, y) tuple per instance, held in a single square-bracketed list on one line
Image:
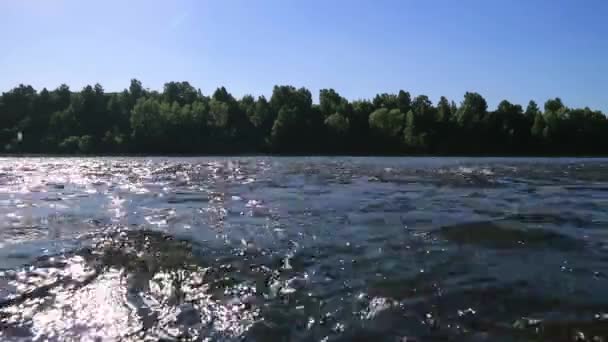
[(404, 101), (260, 114), (85, 144), (76, 144), (444, 111), (180, 92), (295, 120), (113, 141), (180, 119), (422, 106), (472, 110), (387, 122), (539, 126), (410, 132), (70, 144), (532, 110), (284, 126), (331, 102), (507, 127), (554, 105), (338, 124), (219, 114), (147, 124), (389, 101)]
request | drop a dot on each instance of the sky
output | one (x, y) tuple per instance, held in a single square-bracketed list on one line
[(516, 50)]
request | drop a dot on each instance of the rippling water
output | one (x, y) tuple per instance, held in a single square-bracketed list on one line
[(312, 249)]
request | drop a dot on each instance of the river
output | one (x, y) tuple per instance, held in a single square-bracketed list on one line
[(303, 249)]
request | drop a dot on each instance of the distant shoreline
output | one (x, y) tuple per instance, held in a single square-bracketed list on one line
[(181, 121)]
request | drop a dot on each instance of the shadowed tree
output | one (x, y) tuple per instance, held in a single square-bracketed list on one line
[(387, 126), (470, 117), (507, 128), (532, 110), (148, 126), (472, 111), (337, 112), (261, 118), (539, 126), (404, 101), (180, 92), (296, 121), (389, 101), (444, 111), (181, 120)]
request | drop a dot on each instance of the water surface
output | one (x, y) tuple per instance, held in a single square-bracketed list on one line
[(310, 249)]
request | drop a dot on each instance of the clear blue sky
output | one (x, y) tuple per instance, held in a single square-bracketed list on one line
[(516, 50)]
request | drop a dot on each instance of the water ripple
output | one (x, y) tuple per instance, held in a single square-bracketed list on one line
[(328, 249)]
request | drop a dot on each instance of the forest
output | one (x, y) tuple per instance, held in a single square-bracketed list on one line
[(182, 120)]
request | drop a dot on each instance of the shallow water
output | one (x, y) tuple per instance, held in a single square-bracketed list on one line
[(311, 249)]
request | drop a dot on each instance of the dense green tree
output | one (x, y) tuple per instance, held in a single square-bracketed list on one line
[(285, 127), (70, 144), (422, 105), (61, 97), (388, 122), (359, 127), (445, 131), (136, 91), (247, 106), (472, 111), (219, 114), (415, 138), (230, 126), (554, 105), (337, 112), (420, 124), (389, 101), (453, 108), (147, 125), (180, 92), (444, 111), (538, 127), (118, 112), (87, 115), (470, 118), (330, 102), (387, 126), (532, 110), (555, 117), (507, 128), (296, 121), (180, 119), (16, 113), (404, 101), (263, 117), (338, 123)]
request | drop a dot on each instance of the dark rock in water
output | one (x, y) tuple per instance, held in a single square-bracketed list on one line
[(498, 235)]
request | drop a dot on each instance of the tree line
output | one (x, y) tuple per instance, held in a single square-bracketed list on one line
[(180, 119)]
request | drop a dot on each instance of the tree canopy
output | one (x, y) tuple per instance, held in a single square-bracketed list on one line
[(181, 119)]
